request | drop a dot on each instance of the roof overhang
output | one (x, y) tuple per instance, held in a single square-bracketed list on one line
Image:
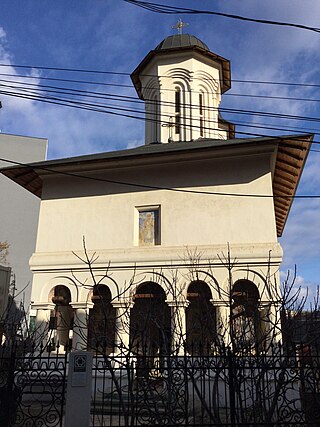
[(290, 160), (224, 63), (289, 157)]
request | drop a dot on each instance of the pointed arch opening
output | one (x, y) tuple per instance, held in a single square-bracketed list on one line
[(201, 320)]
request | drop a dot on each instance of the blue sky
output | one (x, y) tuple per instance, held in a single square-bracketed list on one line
[(113, 35)]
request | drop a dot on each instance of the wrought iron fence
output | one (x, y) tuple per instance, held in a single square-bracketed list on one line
[(280, 388), (274, 389), (32, 387)]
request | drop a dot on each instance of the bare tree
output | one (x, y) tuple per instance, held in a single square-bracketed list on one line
[(167, 353), (178, 359)]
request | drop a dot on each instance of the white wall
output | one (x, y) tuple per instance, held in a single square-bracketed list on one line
[(192, 73), (203, 224), (19, 208), (106, 213)]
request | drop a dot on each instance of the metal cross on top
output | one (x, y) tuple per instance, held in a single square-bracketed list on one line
[(179, 26)]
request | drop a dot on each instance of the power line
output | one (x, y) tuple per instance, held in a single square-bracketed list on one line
[(110, 109), (131, 99), (173, 10), (135, 99), (127, 74)]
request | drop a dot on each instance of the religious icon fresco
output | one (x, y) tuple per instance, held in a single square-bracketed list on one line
[(148, 227)]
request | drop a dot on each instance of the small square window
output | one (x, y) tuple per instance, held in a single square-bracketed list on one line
[(149, 226)]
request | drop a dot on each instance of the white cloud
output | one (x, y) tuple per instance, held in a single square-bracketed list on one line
[(2, 33), (70, 131)]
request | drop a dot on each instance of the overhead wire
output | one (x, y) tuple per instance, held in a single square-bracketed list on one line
[(173, 10), (281, 98), (154, 187), (95, 106), (111, 109), (126, 98), (127, 74), (122, 98)]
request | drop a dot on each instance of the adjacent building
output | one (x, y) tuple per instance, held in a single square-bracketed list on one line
[(19, 210)]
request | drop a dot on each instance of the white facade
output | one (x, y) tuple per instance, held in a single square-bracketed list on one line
[(19, 209), (185, 224), (107, 215)]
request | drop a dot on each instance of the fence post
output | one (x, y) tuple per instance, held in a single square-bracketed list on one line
[(78, 400), (231, 388)]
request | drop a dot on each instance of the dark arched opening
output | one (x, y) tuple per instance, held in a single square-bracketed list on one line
[(245, 327), (149, 326), (102, 321), (201, 319)]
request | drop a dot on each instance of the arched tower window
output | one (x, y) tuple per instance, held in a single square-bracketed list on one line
[(201, 113), (178, 111), (157, 119)]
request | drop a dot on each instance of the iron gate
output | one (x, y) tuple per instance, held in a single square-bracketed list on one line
[(32, 387)]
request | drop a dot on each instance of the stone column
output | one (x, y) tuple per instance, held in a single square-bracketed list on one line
[(80, 325), (42, 322), (178, 326), (122, 330), (223, 321), (63, 326)]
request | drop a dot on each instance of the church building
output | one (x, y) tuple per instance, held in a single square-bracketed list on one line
[(172, 245)]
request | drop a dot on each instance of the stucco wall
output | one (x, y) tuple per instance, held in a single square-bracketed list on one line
[(106, 213), (192, 73)]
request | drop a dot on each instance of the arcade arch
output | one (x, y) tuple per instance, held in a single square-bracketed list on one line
[(245, 317), (150, 321), (102, 321), (200, 319)]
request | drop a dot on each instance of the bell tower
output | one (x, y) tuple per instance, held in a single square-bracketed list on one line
[(181, 83)]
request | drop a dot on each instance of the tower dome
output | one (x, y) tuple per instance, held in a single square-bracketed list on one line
[(181, 82), (181, 41)]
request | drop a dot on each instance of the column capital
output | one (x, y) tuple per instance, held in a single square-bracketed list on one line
[(84, 305), (178, 303), (43, 306), (220, 303), (123, 303)]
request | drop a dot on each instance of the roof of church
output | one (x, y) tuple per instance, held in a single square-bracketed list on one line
[(181, 40), (291, 154)]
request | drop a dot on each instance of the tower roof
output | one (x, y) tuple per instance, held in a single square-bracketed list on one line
[(182, 43), (181, 40)]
